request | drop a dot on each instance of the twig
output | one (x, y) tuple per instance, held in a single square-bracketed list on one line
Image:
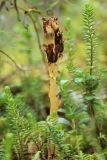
[(17, 65), (17, 10), (37, 34), (2, 4), (36, 30)]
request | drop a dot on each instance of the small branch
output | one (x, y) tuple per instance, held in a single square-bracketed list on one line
[(36, 30), (17, 65), (37, 34), (38, 40), (17, 10), (28, 12), (91, 52), (2, 4)]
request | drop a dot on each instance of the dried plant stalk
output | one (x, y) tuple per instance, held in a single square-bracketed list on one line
[(54, 102), (53, 48)]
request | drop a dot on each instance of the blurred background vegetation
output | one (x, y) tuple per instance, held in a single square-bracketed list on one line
[(23, 42), (20, 41)]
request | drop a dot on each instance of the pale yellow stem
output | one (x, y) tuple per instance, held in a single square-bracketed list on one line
[(54, 102)]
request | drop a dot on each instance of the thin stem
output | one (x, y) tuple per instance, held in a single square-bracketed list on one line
[(17, 65), (91, 58), (17, 10), (38, 37), (37, 33), (91, 50)]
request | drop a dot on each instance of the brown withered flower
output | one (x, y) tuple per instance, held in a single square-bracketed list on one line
[(54, 45)]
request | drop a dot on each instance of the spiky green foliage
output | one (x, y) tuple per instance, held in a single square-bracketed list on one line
[(57, 136), (69, 44), (1, 150), (85, 118), (6, 147), (83, 156), (90, 36), (23, 125), (91, 81), (8, 144), (18, 125)]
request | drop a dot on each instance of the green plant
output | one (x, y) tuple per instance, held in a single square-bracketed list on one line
[(85, 82), (91, 77), (8, 144)]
